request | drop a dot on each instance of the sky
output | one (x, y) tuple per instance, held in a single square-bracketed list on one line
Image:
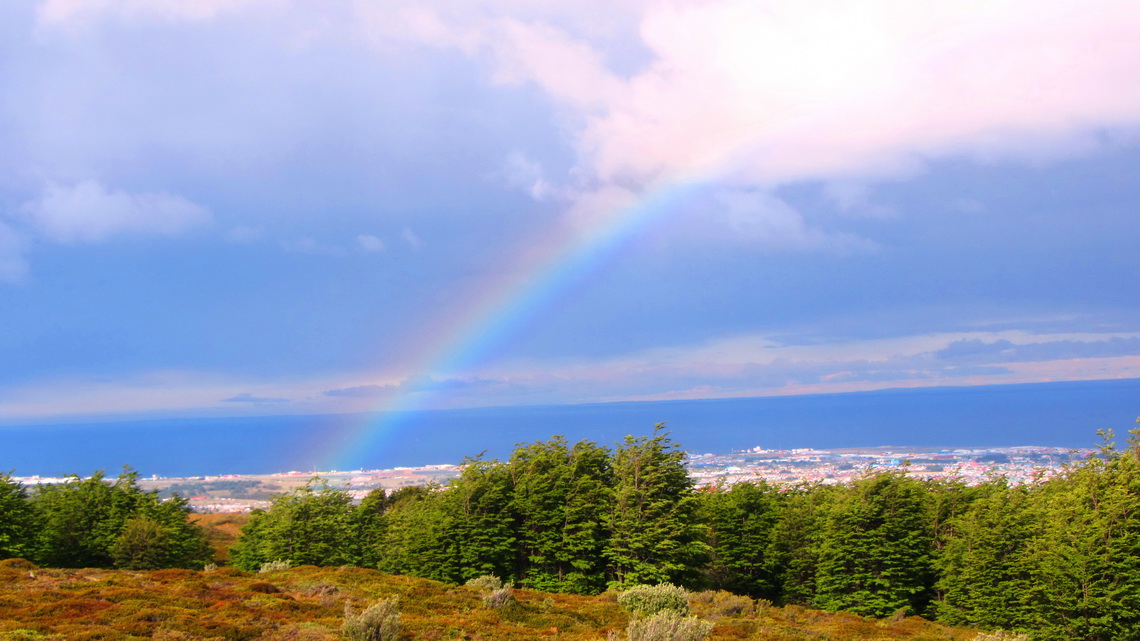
[(258, 207)]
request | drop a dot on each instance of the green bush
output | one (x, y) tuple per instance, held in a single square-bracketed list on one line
[(485, 582), (644, 600), (379, 622), (668, 625)]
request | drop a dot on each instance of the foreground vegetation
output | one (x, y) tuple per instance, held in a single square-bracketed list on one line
[(1057, 559), (308, 604)]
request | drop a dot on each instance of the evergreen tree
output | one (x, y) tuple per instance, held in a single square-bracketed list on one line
[(654, 532), (309, 526), (419, 535), (794, 550), (142, 545), (484, 537), (368, 525), (875, 555), (247, 552), (984, 576), (740, 520), (559, 501), (1082, 563), (584, 535), (17, 520), (81, 521)]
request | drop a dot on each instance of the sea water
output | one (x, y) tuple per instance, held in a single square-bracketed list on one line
[(1052, 414)]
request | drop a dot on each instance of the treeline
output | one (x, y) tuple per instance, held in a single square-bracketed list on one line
[(98, 523), (1059, 558)]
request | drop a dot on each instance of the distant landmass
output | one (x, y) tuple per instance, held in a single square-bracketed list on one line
[(1048, 414)]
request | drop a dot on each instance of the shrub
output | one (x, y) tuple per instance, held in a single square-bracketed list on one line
[(164, 634), (263, 587), (501, 598), (1001, 635), (645, 600), (279, 564), (321, 589), (727, 604), (485, 582), (611, 595), (668, 625), (379, 622)]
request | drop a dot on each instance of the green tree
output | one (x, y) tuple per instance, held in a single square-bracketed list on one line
[(309, 526), (483, 540), (142, 545), (559, 501), (81, 520), (794, 549), (368, 524), (876, 551), (655, 535), (1082, 561), (740, 519), (419, 535), (17, 520), (983, 566)]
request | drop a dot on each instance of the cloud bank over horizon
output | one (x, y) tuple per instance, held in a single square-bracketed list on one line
[(269, 206)]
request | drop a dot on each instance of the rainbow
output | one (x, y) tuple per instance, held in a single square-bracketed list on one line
[(490, 317)]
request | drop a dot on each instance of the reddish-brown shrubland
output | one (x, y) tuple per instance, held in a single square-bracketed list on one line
[(308, 604)]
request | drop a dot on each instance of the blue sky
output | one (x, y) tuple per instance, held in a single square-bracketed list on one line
[(239, 207)]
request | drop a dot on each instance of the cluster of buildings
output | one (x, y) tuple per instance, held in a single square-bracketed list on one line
[(1022, 464)]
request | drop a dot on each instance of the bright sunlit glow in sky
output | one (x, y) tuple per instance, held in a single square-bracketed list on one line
[(216, 208)]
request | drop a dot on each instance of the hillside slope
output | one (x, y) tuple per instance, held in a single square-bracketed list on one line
[(308, 603)]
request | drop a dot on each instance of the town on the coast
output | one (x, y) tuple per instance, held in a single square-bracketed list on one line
[(1018, 464)]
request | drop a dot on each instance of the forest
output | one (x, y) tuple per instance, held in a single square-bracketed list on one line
[(1057, 559)]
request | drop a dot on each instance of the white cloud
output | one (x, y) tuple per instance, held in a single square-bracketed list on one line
[(246, 397), (88, 213), (761, 93), (757, 365), (854, 198), (526, 174), (771, 91), (411, 238), (781, 91), (595, 208), (370, 244), (570, 70), (759, 218)]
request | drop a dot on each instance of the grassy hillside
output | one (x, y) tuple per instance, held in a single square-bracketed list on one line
[(307, 604)]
